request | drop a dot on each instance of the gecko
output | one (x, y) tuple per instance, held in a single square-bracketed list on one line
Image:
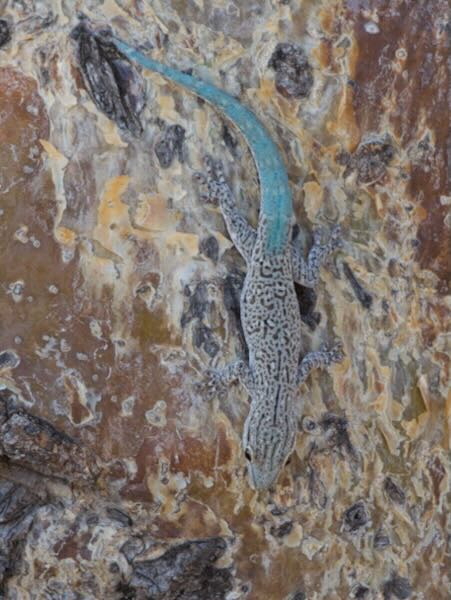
[(270, 313)]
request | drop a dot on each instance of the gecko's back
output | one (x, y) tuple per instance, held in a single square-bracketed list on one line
[(270, 314), (269, 307)]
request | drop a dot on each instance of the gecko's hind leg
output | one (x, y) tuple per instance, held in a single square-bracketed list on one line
[(218, 380), (318, 360), (218, 190), (306, 272)]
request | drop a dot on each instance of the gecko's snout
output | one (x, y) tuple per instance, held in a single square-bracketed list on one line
[(260, 479), (257, 483)]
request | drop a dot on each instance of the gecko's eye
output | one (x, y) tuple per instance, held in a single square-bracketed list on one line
[(288, 461), (247, 454)]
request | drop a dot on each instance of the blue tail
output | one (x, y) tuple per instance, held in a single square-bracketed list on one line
[(275, 191)]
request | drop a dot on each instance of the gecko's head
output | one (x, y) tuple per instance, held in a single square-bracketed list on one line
[(267, 444)]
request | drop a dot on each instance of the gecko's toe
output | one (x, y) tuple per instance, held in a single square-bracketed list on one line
[(209, 164), (206, 197), (200, 177), (335, 231), (324, 348), (318, 236), (219, 171)]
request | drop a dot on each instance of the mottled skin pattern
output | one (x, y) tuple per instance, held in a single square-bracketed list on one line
[(272, 327), (269, 308)]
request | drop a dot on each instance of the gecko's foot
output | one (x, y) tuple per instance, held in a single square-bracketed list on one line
[(322, 250), (213, 180), (336, 353), (335, 239), (214, 385), (214, 169)]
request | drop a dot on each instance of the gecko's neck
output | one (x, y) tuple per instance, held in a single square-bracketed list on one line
[(276, 202)]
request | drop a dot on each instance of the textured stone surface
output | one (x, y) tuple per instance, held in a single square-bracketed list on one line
[(119, 287)]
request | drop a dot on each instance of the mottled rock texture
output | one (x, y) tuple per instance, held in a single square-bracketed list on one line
[(120, 286)]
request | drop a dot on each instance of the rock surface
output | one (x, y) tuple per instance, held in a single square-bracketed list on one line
[(120, 286)]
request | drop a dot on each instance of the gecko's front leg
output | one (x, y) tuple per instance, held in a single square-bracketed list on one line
[(319, 360), (306, 272), (218, 380), (242, 234)]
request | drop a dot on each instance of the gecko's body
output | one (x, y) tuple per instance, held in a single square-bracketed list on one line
[(269, 307)]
